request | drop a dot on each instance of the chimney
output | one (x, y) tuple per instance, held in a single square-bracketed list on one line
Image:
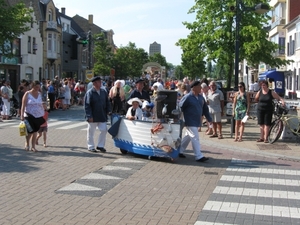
[(63, 10), (91, 19)]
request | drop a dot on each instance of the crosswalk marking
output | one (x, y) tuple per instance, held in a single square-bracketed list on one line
[(75, 124), (256, 193), (79, 187), (263, 170), (100, 177), (261, 180), (52, 124), (267, 210)]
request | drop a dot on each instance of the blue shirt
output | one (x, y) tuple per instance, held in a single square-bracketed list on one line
[(193, 108)]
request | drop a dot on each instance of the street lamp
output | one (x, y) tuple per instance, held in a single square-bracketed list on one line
[(260, 8)]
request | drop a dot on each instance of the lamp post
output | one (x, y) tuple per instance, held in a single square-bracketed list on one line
[(90, 49), (260, 8)]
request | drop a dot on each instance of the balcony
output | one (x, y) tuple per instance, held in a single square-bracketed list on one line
[(51, 25), (51, 55), (277, 22)]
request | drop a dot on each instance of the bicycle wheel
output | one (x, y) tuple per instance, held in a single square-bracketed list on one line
[(275, 131)]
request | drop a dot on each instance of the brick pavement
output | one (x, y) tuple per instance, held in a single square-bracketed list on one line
[(159, 193)]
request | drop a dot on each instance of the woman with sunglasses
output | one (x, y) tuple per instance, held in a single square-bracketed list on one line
[(265, 97), (241, 105)]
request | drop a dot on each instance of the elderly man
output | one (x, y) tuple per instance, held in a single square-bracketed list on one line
[(97, 107), (193, 107), (138, 92), (215, 99)]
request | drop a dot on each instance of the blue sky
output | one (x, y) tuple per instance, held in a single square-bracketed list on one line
[(141, 22)]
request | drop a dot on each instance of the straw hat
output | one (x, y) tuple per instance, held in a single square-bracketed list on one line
[(130, 101)]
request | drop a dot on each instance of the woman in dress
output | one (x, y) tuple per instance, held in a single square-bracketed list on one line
[(265, 108), (32, 111), (241, 105), (117, 96)]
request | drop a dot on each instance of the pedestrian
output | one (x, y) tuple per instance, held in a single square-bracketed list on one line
[(139, 92), (215, 100), (265, 108), (32, 111), (5, 94), (51, 95), (241, 105), (117, 97), (97, 107), (67, 94), (193, 107), (44, 127)]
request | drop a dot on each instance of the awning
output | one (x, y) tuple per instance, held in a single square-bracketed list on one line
[(276, 75)]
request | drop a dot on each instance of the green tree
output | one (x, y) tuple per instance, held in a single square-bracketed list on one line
[(193, 57), (129, 61), (160, 59), (103, 55), (179, 72), (214, 31), (15, 20)]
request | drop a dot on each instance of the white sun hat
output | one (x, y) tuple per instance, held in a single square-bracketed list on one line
[(130, 101)]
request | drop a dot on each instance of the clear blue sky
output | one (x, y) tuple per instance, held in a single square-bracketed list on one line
[(140, 22)]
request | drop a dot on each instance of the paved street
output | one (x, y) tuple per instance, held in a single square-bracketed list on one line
[(242, 183)]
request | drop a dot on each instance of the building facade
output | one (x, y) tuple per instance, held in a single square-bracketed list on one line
[(154, 48)]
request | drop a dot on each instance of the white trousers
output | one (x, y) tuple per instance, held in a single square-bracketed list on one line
[(102, 127), (5, 107), (191, 134)]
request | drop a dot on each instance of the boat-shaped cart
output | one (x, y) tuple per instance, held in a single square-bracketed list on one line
[(150, 138)]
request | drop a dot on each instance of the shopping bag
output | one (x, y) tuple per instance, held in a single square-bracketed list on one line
[(22, 129)]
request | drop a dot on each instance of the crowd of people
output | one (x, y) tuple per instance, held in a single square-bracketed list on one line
[(200, 101)]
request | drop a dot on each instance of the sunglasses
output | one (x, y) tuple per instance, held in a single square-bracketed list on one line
[(240, 86)]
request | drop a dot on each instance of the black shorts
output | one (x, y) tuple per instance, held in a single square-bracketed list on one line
[(35, 123), (264, 117)]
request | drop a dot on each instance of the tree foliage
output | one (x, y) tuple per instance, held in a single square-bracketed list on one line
[(15, 20), (212, 36), (103, 55), (129, 61), (160, 59)]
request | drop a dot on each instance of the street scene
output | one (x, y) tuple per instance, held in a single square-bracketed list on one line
[(242, 183)]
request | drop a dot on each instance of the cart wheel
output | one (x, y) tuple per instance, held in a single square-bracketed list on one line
[(123, 151), (149, 157)]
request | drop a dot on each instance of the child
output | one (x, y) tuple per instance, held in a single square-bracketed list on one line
[(147, 110), (44, 127), (134, 112)]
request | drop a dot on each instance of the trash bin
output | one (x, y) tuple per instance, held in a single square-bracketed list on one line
[(169, 98)]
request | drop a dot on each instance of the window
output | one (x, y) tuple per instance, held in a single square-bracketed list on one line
[(29, 45), (50, 42), (50, 15), (54, 43), (297, 39), (34, 45)]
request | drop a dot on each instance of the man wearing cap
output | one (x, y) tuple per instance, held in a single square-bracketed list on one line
[(139, 92), (97, 107), (193, 107)]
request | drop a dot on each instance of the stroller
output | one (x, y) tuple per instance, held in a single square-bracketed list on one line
[(14, 106)]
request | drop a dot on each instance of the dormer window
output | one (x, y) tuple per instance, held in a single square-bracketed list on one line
[(50, 15)]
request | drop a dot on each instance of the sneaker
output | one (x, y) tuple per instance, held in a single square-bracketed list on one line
[(92, 150), (203, 159), (101, 149)]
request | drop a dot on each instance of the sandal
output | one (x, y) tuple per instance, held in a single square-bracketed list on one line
[(33, 149), (266, 141), (236, 139), (220, 136), (260, 140), (26, 148), (214, 135), (240, 140)]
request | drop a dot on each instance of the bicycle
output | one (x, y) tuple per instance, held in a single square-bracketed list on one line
[(282, 118)]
